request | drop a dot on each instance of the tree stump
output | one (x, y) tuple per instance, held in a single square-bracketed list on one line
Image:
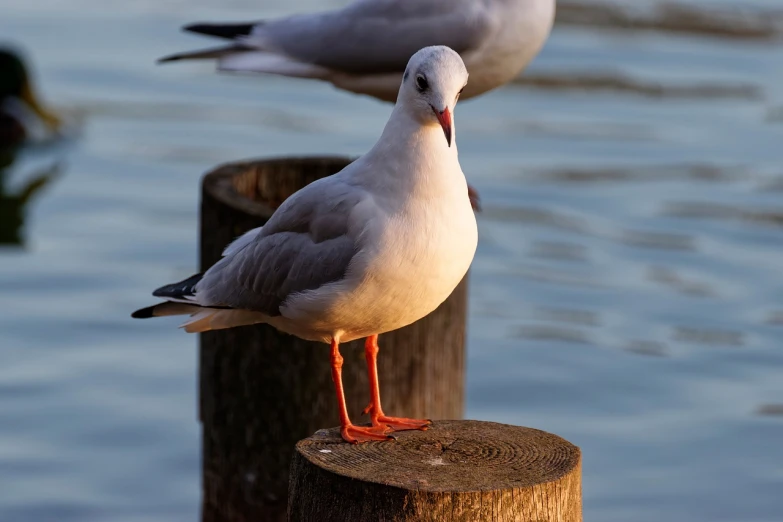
[(457, 471), (261, 390)]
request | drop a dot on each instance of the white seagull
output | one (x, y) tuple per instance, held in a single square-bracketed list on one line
[(364, 47), (368, 250)]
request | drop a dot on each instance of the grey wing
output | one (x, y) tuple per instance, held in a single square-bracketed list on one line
[(378, 36), (306, 244)]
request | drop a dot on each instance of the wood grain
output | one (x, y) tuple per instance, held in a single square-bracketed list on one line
[(458, 471)]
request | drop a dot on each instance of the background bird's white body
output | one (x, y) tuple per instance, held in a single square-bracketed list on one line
[(519, 29), (363, 48)]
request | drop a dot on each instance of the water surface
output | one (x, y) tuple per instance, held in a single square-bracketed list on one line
[(626, 294)]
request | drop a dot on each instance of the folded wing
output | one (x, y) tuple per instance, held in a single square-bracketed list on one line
[(367, 37), (309, 242)]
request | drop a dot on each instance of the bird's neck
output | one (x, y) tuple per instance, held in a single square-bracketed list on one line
[(413, 157), (406, 137)]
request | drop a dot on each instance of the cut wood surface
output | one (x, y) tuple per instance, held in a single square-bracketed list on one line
[(457, 471), (261, 391)]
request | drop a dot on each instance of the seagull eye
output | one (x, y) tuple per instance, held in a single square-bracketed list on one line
[(421, 83), (460, 92)]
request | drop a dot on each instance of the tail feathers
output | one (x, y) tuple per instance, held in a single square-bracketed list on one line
[(178, 296), (165, 309), (268, 62), (202, 319), (212, 52), (245, 58), (229, 31), (216, 319)]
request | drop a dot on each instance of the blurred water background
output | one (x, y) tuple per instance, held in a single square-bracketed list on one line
[(627, 291)]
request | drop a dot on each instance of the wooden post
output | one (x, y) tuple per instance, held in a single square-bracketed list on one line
[(458, 471), (262, 391)]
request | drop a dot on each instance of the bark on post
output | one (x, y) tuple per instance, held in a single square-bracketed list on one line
[(458, 471), (261, 391)]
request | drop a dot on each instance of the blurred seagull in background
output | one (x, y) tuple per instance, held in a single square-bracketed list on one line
[(371, 249), (364, 47)]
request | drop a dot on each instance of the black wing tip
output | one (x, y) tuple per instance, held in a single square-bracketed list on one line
[(220, 30), (213, 52), (181, 289), (144, 313), (169, 58)]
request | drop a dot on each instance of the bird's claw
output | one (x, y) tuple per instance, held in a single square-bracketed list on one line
[(402, 423), (395, 423), (357, 434)]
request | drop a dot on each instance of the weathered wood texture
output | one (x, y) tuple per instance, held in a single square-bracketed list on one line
[(458, 471), (262, 391)]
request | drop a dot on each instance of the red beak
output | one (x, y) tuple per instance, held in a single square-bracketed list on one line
[(444, 117)]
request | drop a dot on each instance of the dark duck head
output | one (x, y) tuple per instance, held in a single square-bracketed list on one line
[(15, 85)]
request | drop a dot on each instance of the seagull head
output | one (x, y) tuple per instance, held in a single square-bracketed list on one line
[(431, 85)]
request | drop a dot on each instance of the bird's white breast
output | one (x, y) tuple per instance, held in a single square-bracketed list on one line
[(432, 246), (421, 248)]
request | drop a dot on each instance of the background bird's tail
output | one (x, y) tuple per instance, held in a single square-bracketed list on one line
[(229, 31), (212, 52), (240, 58)]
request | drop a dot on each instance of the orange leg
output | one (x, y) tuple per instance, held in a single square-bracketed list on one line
[(350, 432), (374, 408)]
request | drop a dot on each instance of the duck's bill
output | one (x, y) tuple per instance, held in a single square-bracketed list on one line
[(48, 117)]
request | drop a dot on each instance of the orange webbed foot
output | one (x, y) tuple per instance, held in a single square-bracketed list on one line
[(396, 423), (402, 423), (357, 434)]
